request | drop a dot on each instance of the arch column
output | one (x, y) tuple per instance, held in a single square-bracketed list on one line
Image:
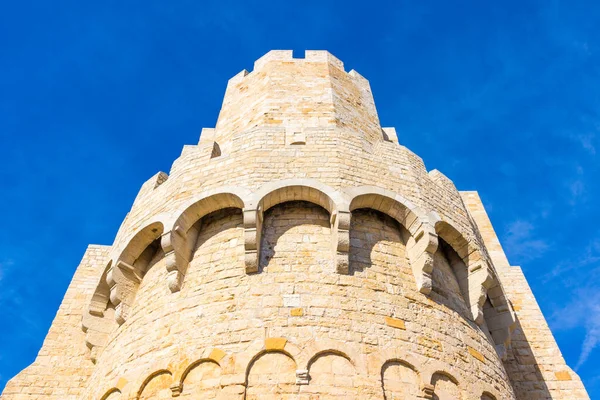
[(340, 226), (253, 221), (177, 257), (423, 241), (309, 190), (421, 249), (178, 244)]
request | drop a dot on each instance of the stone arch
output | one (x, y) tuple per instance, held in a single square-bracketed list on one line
[(129, 267), (316, 346), (472, 272), (479, 284), (178, 244), (400, 380), (98, 321), (422, 243), (201, 378), (445, 386), (487, 396), (331, 374), (271, 374), (156, 386), (309, 190), (112, 394)]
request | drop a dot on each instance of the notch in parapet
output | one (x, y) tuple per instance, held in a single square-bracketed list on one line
[(238, 78), (390, 135), (151, 184), (207, 140), (315, 56)]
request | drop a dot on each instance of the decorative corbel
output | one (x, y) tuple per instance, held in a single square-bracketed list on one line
[(500, 319), (253, 219), (422, 247), (427, 390), (123, 280), (340, 225), (176, 389), (177, 257), (302, 377), (480, 280)]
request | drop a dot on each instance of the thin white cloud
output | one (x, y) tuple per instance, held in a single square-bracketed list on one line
[(583, 310), (591, 341), (4, 265), (521, 243), (590, 256)]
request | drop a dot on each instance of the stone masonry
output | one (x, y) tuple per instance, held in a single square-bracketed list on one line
[(299, 251)]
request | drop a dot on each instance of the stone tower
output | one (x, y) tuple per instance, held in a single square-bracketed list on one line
[(299, 251)]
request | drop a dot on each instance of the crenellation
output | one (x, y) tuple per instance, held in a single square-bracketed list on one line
[(323, 56), (299, 249), (390, 135)]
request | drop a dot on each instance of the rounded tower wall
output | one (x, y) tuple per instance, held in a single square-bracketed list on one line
[(298, 226), (353, 323)]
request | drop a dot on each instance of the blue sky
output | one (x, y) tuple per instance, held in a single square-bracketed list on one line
[(502, 97)]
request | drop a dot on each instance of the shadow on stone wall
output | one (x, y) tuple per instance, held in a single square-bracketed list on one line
[(282, 218), (523, 369)]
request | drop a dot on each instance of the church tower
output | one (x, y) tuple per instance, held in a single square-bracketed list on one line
[(299, 251)]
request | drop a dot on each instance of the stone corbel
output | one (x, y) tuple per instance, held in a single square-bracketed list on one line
[(481, 280), (422, 247), (176, 389), (302, 377), (340, 225), (253, 219), (98, 304), (427, 391), (96, 333), (500, 319), (123, 280), (177, 257)]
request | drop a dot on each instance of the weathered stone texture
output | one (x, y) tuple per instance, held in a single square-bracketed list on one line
[(299, 252)]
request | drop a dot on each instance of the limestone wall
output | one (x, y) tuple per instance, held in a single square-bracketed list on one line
[(297, 314), (63, 366), (534, 363), (298, 251)]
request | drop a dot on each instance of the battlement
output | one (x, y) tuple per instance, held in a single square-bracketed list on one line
[(303, 93), (286, 56), (310, 56)]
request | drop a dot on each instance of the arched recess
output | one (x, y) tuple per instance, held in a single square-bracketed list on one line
[(400, 380), (112, 394), (445, 387), (98, 320), (422, 243), (201, 379), (157, 386), (472, 271), (331, 375), (271, 375), (479, 284), (308, 190), (129, 267), (178, 244), (487, 396)]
